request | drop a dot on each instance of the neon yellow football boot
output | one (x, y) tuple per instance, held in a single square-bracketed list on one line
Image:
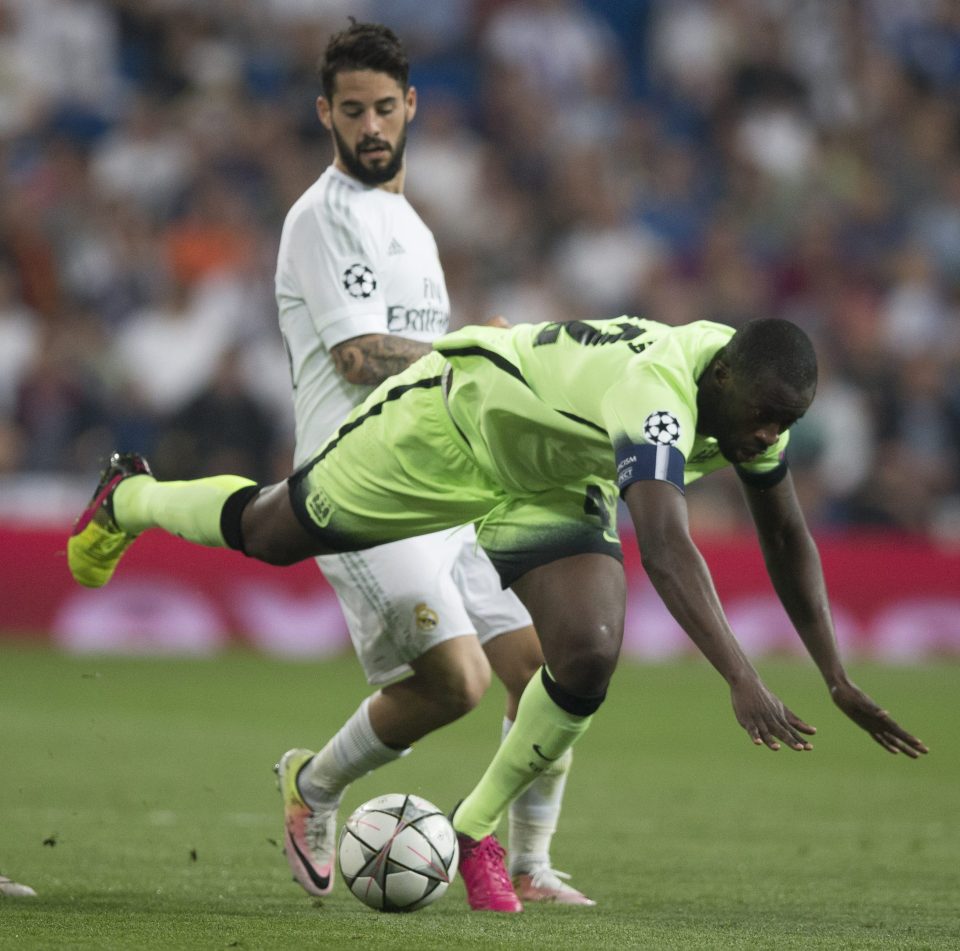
[(96, 543)]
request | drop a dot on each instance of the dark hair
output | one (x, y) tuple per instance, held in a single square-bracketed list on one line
[(363, 46), (776, 345)]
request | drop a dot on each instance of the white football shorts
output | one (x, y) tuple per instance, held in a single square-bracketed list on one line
[(402, 598)]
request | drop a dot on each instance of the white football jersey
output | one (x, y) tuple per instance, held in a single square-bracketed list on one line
[(353, 260)]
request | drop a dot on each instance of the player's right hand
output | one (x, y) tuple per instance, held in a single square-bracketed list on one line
[(765, 718)]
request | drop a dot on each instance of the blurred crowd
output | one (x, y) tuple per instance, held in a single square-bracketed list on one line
[(678, 159)]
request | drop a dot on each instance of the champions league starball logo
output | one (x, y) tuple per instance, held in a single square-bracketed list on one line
[(662, 428), (358, 281)]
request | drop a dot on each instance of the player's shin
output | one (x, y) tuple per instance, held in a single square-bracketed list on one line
[(352, 752), (192, 510), (542, 733), (535, 813)]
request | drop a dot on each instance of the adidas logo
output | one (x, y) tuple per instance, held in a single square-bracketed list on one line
[(395, 247)]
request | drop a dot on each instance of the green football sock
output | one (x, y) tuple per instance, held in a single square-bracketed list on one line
[(541, 734), (534, 814), (188, 509)]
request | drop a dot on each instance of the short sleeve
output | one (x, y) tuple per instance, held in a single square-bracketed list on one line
[(335, 268), (652, 425)]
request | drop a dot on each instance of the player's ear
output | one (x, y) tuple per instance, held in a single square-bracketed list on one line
[(323, 111), (721, 372), (410, 102)]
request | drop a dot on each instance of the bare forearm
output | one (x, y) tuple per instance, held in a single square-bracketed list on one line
[(371, 359), (681, 578), (793, 564), (678, 572)]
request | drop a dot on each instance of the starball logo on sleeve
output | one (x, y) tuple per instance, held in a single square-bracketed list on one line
[(359, 281), (662, 428)]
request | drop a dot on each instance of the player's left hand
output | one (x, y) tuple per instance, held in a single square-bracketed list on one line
[(878, 723)]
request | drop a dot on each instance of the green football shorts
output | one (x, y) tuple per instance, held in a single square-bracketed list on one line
[(399, 466)]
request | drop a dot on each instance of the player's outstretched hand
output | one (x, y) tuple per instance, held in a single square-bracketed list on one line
[(878, 723), (765, 718)]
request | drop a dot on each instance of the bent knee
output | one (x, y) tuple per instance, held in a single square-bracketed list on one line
[(586, 671), (458, 690), (465, 690)]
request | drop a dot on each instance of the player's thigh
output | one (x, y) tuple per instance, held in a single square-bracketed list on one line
[(523, 533), (560, 553), (453, 674), (515, 657), (272, 532), (503, 625), (578, 604), (399, 600)]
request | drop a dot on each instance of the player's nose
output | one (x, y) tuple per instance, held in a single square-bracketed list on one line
[(768, 434), (370, 124)]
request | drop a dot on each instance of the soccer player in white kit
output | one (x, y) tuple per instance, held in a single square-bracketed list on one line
[(361, 294)]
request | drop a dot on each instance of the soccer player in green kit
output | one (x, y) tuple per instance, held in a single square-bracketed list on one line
[(531, 433)]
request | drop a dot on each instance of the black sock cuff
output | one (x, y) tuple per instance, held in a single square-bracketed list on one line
[(231, 514), (571, 703)]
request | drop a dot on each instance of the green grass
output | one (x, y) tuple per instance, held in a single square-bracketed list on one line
[(151, 783)]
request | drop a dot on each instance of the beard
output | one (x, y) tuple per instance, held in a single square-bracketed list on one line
[(364, 173)]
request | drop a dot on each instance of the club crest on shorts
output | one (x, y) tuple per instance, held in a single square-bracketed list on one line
[(319, 507), (662, 428), (427, 619), (359, 281)]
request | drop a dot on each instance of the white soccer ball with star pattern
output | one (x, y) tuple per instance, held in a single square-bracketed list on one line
[(398, 853)]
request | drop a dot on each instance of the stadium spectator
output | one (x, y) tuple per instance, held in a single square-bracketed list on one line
[(799, 160), (19, 338)]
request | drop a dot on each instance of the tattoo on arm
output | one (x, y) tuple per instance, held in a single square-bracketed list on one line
[(372, 358)]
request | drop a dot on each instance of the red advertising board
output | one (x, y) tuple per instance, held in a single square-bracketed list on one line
[(893, 598)]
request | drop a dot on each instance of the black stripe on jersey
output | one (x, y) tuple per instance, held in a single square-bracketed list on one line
[(585, 422), (295, 482), (392, 395), (490, 355), (503, 364)]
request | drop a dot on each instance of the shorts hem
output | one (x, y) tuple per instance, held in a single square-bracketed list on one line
[(512, 569)]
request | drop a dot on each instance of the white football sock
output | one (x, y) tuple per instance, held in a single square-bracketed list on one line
[(352, 752), (535, 813)]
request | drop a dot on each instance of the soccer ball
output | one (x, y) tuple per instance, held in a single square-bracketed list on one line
[(398, 853)]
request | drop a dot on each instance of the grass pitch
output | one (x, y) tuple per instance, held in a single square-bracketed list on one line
[(138, 799)]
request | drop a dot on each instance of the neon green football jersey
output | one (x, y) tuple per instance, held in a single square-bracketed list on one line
[(552, 404)]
